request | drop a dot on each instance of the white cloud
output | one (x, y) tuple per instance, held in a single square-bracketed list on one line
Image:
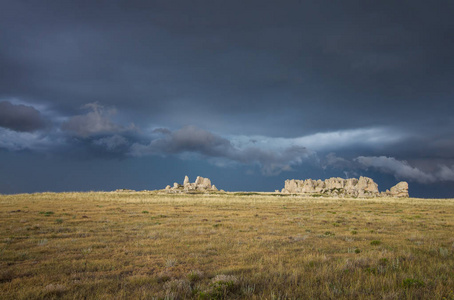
[(324, 141), (445, 173), (403, 170)]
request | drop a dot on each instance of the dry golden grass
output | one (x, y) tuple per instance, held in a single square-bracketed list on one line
[(144, 245)]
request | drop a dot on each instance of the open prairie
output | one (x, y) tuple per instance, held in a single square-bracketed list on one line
[(145, 245)]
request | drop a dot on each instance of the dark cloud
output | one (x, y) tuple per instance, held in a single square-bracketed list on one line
[(191, 139), (98, 121), (182, 63), (361, 79), (20, 117)]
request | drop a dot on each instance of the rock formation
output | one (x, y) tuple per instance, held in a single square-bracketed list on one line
[(400, 190), (201, 184), (336, 186), (186, 180)]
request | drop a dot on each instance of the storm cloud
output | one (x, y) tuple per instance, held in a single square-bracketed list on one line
[(98, 121), (193, 140), (403, 170), (293, 89), (20, 117)]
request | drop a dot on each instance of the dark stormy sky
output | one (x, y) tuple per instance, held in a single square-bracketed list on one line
[(99, 95)]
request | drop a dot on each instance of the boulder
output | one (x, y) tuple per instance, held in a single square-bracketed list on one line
[(399, 190), (206, 183)]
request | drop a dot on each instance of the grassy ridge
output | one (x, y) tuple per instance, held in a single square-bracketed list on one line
[(148, 246)]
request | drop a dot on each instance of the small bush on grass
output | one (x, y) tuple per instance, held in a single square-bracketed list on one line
[(411, 282), (222, 285), (194, 276)]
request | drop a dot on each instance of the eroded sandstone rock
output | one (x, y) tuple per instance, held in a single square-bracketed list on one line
[(339, 187), (200, 184), (399, 190)]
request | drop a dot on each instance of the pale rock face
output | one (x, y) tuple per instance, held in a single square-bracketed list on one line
[(351, 187), (206, 183), (291, 185), (198, 181), (367, 185), (350, 184), (339, 187), (200, 184), (399, 190), (308, 186), (362, 183), (319, 186), (334, 183)]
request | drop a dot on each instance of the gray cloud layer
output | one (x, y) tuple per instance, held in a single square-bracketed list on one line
[(97, 134), (20, 117), (400, 169), (271, 83), (403, 170), (98, 121), (286, 69), (191, 139)]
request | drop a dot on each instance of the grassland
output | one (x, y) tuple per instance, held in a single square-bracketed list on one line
[(147, 246)]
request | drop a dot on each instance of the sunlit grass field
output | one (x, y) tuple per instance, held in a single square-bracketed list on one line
[(145, 245)]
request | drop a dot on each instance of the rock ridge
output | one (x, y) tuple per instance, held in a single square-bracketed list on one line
[(340, 187)]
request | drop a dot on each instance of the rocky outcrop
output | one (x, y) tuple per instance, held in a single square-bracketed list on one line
[(400, 190), (201, 184), (336, 186)]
